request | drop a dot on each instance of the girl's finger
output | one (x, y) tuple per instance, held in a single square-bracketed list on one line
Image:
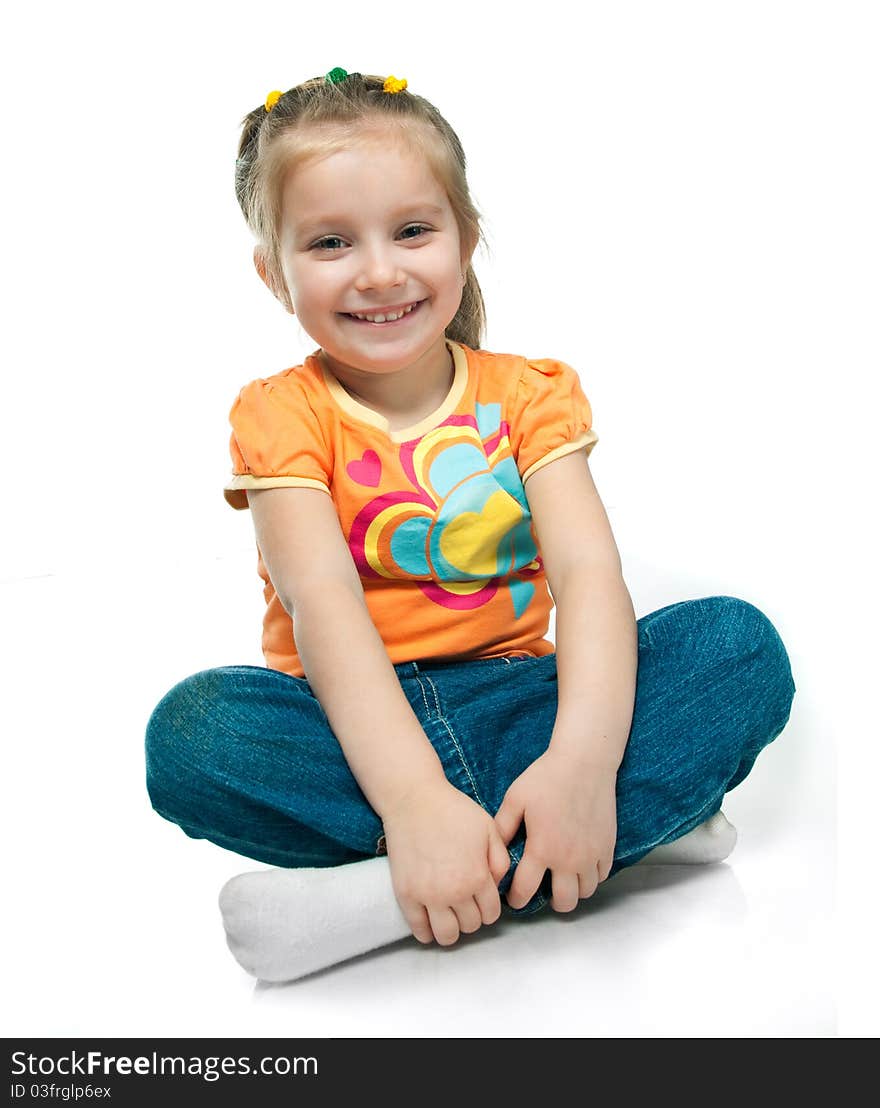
[(587, 883), (508, 819), (444, 925), (489, 902), (566, 887), (419, 924), (529, 875), (499, 859), (469, 916)]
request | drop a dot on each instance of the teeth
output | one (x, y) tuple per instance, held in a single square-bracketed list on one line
[(384, 318)]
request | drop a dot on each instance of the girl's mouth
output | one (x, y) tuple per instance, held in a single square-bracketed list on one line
[(387, 322)]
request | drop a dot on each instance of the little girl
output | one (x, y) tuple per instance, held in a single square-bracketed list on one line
[(416, 748)]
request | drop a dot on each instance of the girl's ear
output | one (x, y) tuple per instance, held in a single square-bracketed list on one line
[(273, 282), (467, 254)]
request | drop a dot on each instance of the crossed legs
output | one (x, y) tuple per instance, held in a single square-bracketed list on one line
[(244, 756)]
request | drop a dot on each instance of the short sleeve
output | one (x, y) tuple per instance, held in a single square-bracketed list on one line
[(276, 441), (551, 416)]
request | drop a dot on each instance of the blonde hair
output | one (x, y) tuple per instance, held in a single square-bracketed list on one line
[(274, 142)]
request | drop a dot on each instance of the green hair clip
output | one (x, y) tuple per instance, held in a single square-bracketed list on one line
[(391, 84)]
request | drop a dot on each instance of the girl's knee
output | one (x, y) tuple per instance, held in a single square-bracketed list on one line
[(745, 631), (173, 732), (746, 635), (726, 632)]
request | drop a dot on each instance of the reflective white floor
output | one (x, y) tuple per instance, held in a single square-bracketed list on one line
[(116, 931)]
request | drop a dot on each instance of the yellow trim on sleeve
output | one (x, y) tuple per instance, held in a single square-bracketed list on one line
[(236, 491), (587, 440)]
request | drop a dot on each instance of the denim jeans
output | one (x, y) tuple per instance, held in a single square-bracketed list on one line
[(244, 755)]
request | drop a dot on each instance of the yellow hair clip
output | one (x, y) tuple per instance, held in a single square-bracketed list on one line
[(272, 99), (394, 84)]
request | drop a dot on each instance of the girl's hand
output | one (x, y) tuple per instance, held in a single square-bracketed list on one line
[(447, 859), (570, 812)]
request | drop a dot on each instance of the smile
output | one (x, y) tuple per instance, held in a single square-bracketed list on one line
[(379, 320)]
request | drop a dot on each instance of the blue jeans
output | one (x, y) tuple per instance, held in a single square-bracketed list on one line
[(244, 755)]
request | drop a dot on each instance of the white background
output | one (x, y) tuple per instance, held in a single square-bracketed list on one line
[(680, 200)]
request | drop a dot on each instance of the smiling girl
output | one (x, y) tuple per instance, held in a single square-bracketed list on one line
[(416, 748)]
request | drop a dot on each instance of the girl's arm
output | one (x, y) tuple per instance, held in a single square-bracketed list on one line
[(443, 848), (344, 659), (596, 636), (567, 797)]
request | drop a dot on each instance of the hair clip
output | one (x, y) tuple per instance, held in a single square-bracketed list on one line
[(394, 84), (335, 76), (272, 99)]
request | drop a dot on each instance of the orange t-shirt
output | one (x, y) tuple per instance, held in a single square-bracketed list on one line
[(435, 515)]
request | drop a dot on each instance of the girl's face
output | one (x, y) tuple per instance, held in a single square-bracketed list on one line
[(366, 229)]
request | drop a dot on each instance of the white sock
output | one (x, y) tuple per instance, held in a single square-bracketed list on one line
[(284, 923), (711, 841)]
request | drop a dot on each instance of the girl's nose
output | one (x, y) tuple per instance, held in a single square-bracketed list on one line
[(379, 269)]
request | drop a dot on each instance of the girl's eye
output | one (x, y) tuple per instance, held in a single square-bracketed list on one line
[(327, 243), (321, 244)]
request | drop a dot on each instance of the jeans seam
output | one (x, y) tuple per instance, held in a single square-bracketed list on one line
[(434, 693), (463, 761), (424, 698), (442, 719)]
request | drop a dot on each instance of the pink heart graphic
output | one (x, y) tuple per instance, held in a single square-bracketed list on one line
[(366, 470)]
